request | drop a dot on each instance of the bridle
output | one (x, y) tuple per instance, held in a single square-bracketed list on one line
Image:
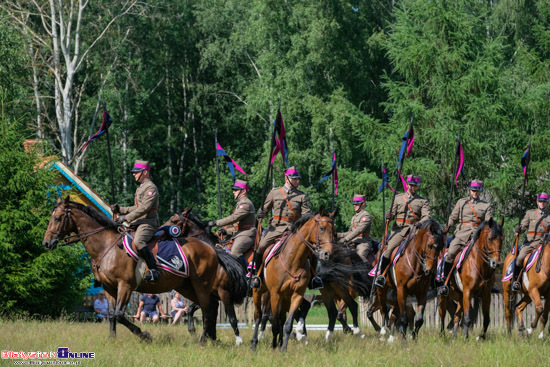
[(486, 253), (184, 219), (65, 225), (422, 257), (317, 227)]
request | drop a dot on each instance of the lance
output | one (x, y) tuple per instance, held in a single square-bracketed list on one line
[(109, 155), (452, 178), (397, 177), (218, 176), (516, 241)]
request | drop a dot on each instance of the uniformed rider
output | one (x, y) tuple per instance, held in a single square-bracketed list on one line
[(358, 233), (536, 222), (243, 231), (143, 214), (467, 215), (409, 211), (288, 204)]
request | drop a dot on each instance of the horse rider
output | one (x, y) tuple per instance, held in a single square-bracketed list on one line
[(243, 231), (537, 223), (288, 204), (143, 214), (358, 233), (409, 211), (467, 214)]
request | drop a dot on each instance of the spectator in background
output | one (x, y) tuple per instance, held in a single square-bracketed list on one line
[(149, 306), (101, 307), (178, 308)]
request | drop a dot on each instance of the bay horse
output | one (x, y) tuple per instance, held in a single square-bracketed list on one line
[(118, 272), (412, 275), (476, 279), (538, 286), (230, 285), (288, 273)]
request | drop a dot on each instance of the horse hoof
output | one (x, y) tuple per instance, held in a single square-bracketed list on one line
[(328, 335), (253, 347), (306, 341), (391, 339), (383, 331), (356, 330), (362, 336), (541, 335), (299, 336), (238, 340), (261, 335), (529, 331), (146, 337)]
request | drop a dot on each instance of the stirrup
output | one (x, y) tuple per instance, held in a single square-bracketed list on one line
[(153, 275), (255, 282), (316, 283), (443, 291), (516, 286), (380, 281)]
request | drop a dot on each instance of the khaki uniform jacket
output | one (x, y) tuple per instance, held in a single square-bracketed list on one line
[(145, 210), (536, 222), (359, 229), (468, 215), (288, 206), (243, 219), (408, 210)]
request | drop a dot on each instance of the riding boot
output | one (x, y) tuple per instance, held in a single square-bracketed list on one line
[(380, 281), (255, 282), (516, 285), (147, 255), (444, 289)]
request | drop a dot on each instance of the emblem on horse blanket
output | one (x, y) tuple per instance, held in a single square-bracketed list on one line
[(530, 261), (170, 256)]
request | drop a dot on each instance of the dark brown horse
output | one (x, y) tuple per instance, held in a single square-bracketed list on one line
[(412, 275), (476, 278), (288, 273), (118, 272), (230, 283), (538, 286)]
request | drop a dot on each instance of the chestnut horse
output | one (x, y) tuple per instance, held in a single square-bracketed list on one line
[(230, 285), (412, 275), (538, 285), (288, 273), (118, 272), (476, 279)]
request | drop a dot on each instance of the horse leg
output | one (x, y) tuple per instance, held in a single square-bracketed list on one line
[(301, 330), (523, 303), (485, 309), (508, 305), (123, 295), (294, 305), (354, 309), (213, 316), (534, 294), (544, 316), (328, 300), (190, 317), (342, 316), (456, 318), (419, 316), (402, 304), (225, 297), (276, 325), (257, 298), (466, 308), (370, 315), (442, 301), (381, 295)]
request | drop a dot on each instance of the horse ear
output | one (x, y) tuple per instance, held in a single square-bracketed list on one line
[(67, 199), (501, 223), (59, 200), (334, 213), (491, 221)]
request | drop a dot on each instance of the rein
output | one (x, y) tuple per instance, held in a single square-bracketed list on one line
[(184, 220), (80, 237), (485, 257)]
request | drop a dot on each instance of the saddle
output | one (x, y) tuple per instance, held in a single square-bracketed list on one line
[(528, 263)]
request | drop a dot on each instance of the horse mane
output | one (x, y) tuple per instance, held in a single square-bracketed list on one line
[(200, 223), (496, 230), (99, 217), (300, 222), (436, 230)]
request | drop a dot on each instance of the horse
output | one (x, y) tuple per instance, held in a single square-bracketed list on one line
[(538, 285), (230, 285), (119, 273), (288, 273), (476, 279), (412, 275)]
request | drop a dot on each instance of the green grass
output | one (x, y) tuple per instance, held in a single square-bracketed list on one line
[(173, 346)]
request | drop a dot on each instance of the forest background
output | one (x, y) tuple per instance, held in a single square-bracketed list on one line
[(348, 76)]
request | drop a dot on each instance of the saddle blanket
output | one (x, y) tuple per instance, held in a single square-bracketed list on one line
[(530, 261), (272, 252), (397, 256), (170, 256)]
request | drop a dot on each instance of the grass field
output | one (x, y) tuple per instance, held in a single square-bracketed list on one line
[(174, 346)]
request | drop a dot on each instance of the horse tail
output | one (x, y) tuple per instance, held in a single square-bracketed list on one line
[(236, 273)]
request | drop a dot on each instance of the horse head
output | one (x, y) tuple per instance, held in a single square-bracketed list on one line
[(429, 245), (190, 224), (489, 238), (317, 232), (60, 225)]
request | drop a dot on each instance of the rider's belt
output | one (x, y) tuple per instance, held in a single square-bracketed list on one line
[(363, 235), (402, 220), (475, 224), (285, 219), (244, 226), (536, 234)]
